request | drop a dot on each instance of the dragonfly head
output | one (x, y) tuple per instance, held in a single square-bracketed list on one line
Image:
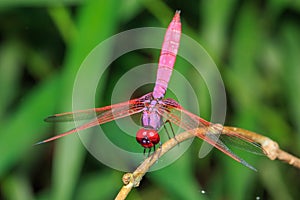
[(147, 137)]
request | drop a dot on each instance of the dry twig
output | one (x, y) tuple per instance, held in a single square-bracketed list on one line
[(131, 180), (270, 148)]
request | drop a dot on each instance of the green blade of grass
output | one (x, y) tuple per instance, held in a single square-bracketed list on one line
[(25, 125), (96, 22)]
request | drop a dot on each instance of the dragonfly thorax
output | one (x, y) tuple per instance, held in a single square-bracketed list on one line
[(151, 119), (148, 138)]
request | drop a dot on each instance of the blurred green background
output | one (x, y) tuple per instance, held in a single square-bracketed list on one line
[(255, 44)]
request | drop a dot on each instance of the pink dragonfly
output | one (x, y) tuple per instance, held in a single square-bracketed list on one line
[(155, 110)]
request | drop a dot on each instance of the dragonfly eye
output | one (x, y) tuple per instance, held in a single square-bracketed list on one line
[(147, 137)]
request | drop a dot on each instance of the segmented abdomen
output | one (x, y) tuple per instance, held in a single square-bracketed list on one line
[(168, 56)]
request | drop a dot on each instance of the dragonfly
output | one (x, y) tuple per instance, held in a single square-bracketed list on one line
[(156, 110)]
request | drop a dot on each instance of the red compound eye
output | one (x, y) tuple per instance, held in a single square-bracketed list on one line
[(147, 137)]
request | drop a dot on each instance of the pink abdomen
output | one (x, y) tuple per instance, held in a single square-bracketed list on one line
[(168, 56)]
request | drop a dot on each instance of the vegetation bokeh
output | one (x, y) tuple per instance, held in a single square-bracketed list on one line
[(255, 45)]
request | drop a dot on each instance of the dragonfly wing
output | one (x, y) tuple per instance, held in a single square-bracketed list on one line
[(101, 116), (69, 116), (93, 112), (252, 147), (214, 136), (243, 139), (172, 111)]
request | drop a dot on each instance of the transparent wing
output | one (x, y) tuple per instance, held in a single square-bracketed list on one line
[(243, 139), (243, 144), (97, 116), (91, 113), (214, 135)]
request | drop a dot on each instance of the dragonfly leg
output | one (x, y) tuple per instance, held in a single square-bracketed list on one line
[(160, 149), (150, 150), (170, 124), (148, 153)]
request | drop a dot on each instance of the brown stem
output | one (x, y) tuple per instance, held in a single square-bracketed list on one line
[(131, 180), (270, 148)]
